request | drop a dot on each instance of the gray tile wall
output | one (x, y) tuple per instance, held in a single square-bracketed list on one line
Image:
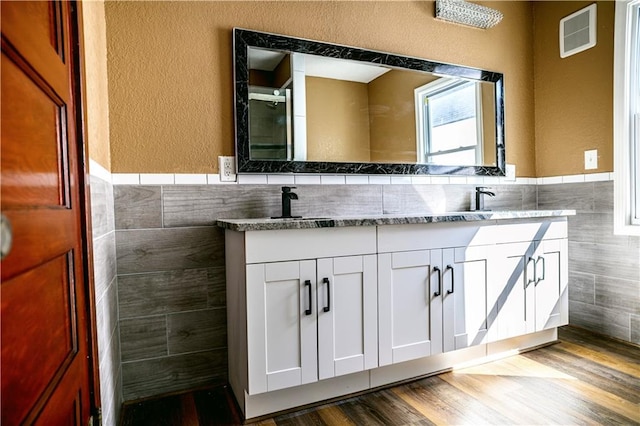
[(171, 290), (604, 269), (104, 260), (171, 275), (162, 324)]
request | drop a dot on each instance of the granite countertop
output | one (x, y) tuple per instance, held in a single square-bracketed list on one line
[(264, 224)]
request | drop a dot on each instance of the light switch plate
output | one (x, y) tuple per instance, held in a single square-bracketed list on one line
[(591, 159), (227, 168)]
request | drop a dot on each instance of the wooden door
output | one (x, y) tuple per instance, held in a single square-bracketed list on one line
[(45, 352), (410, 305), (281, 325), (465, 276), (347, 306)]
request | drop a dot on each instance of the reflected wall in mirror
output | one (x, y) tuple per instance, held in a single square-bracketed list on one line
[(312, 107)]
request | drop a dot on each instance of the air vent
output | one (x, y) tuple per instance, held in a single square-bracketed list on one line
[(578, 31)]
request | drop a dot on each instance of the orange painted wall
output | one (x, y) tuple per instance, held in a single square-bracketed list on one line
[(574, 95), (170, 68), (337, 120), (393, 117), (97, 93)]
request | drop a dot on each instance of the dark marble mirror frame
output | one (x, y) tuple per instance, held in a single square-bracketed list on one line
[(243, 39)]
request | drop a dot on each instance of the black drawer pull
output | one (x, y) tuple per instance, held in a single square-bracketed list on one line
[(308, 311), (328, 283), (530, 280), (439, 292), (544, 267), (453, 280)]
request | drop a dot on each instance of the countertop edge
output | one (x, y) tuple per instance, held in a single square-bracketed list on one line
[(264, 224)]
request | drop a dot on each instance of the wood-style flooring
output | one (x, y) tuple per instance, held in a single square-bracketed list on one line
[(584, 379)]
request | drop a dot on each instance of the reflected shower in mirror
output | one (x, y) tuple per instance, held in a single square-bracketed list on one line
[(313, 107)]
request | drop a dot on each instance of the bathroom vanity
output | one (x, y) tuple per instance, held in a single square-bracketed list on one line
[(321, 308)]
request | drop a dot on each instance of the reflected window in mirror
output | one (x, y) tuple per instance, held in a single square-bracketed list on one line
[(451, 128)]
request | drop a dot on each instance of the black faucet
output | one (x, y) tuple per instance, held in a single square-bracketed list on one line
[(287, 196), (481, 191)]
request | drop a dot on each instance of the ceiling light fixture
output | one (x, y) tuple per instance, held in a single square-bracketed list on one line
[(465, 13)]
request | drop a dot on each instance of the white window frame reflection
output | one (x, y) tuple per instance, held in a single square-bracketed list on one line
[(424, 96)]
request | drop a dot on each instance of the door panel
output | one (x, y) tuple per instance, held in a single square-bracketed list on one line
[(281, 325), (348, 287), (532, 282), (32, 143), (409, 314), (507, 290), (347, 315), (551, 285), (407, 328), (282, 300), (45, 18), (46, 362), (65, 406), (38, 235), (40, 32), (39, 325), (464, 292)]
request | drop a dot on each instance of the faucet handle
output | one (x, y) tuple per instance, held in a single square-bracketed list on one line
[(484, 190), (287, 189)]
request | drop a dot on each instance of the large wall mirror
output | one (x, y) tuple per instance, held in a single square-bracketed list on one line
[(305, 106)]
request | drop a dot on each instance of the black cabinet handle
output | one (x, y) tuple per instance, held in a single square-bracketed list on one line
[(439, 292), (308, 311), (453, 280), (531, 280), (544, 268), (328, 283)]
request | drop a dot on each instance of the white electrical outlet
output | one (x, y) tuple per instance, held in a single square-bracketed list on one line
[(591, 159), (510, 173), (227, 168)]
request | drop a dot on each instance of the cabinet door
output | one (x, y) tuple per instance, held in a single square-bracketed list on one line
[(510, 286), (464, 296), (347, 308), (281, 325), (528, 288), (410, 306), (551, 294)]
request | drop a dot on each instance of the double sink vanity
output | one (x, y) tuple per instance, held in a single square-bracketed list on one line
[(319, 308)]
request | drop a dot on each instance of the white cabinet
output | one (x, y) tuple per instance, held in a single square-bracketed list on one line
[(431, 301), (528, 292), (317, 313), (468, 285), (307, 318), (310, 320)]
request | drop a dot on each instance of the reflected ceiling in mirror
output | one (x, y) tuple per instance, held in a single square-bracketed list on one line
[(312, 107)]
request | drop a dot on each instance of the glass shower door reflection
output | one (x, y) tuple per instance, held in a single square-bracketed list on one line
[(270, 125)]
